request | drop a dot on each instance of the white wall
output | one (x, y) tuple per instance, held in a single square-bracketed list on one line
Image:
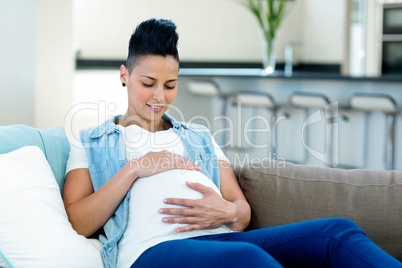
[(16, 62), (36, 67), (97, 96), (211, 30), (323, 30), (37, 62), (54, 62)]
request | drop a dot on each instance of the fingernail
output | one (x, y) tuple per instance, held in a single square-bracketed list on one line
[(178, 231), (164, 200), (164, 220), (160, 211)]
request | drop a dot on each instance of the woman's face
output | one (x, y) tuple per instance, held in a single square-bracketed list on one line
[(151, 87)]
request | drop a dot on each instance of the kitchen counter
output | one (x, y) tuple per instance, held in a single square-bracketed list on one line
[(258, 73), (351, 125)]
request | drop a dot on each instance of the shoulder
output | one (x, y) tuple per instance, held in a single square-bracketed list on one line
[(87, 134), (92, 133)]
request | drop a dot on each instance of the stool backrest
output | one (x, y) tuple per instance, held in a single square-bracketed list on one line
[(254, 99), (204, 88), (307, 100), (379, 103)]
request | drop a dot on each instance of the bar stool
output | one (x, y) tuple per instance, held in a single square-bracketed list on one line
[(209, 88), (308, 101), (378, 103), (255, 100)]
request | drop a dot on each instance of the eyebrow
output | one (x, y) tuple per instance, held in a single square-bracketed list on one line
[(172, 80)]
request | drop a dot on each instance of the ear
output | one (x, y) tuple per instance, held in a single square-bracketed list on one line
[(124, 74)]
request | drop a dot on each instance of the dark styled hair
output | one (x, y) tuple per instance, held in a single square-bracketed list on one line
[(152, 37)]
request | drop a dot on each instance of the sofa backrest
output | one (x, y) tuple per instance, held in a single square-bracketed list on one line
[(281, 193), (53, 142)]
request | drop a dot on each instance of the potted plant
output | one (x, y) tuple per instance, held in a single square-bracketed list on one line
[(270, 14)]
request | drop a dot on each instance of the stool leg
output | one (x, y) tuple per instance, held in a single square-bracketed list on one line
[(273, 134), (365, 138), (390, 152), (329, 138), (329, 145), (307, 137), (394, 136), (331, 114), (254, 126), (223, 124)]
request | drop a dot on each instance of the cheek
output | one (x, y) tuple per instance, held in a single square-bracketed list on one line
[(138, 95), (142, 96), (171, 95)]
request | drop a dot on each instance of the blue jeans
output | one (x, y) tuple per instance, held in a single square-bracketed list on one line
[(333, 242)]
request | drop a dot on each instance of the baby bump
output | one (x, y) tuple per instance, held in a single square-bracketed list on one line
[(172, 184), (147, 195)]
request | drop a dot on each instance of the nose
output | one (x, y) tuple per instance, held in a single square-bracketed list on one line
[(158, 94)]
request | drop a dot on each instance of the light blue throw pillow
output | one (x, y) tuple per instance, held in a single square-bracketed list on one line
[(53, 142)]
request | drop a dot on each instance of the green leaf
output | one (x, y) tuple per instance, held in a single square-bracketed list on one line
[(269, 14)]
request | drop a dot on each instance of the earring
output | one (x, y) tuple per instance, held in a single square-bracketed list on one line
[(123, 84)]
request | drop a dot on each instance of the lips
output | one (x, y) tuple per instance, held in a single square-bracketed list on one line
[(155, 108)]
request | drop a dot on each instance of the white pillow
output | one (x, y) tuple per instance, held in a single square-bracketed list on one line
[(34, 228)]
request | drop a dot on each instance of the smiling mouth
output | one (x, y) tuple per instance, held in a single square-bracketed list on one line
[(155, 108)]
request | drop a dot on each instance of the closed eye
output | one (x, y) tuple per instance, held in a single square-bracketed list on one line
[(170, 87), (147, 85)]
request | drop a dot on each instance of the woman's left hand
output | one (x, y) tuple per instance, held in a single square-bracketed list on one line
[(210, 212)]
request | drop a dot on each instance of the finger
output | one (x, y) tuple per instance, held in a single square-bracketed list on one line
[(177, 211), (180, 162), (169, 160), (199, 187), (188, 228), (187, 166), (191, 165), (179, 220), (180, 202)]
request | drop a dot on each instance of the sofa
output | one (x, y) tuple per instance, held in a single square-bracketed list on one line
[(32, 174)]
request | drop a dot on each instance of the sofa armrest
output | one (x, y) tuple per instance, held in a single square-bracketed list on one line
[(281, 193)]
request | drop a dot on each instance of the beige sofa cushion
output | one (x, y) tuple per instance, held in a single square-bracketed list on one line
[(281, 193)]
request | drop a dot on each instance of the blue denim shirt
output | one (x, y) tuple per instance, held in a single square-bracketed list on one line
[(103, 146)]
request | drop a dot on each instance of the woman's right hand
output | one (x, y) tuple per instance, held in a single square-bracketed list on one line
[(157, 162), (88, 210)]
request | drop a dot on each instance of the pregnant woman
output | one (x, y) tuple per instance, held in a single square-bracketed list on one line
[(164, 194)]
